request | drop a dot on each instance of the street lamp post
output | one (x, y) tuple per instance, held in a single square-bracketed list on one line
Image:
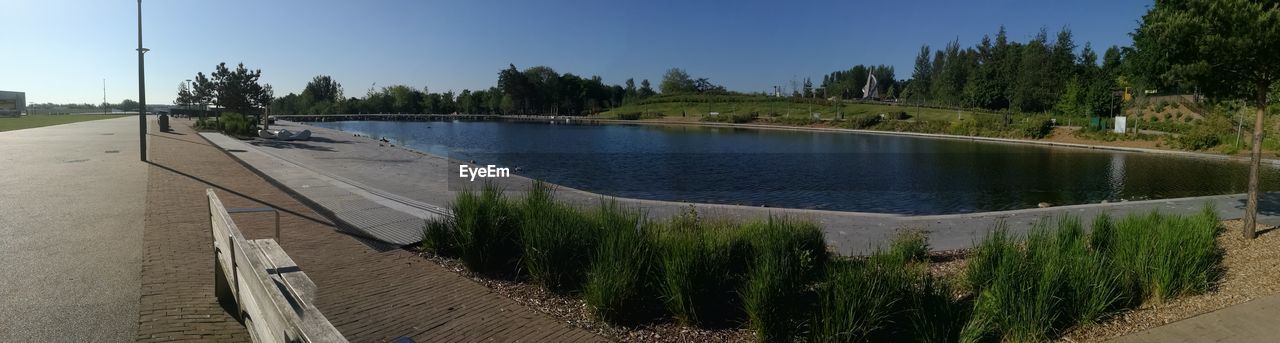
[(142, 93)]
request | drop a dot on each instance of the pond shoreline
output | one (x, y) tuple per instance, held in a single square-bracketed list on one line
[(1180, 153)]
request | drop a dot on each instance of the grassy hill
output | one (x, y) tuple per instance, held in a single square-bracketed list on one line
[(696, 106)]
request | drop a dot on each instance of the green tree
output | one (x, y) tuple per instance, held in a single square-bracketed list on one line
[(1226, 47), (675, 81), (921, 75)]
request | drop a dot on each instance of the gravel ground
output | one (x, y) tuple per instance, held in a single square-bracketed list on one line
[(574, 311), (1248, 273)]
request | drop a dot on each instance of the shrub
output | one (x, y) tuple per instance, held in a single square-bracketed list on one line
[(797, 120), (1036, 128), (487, 230), (735, 118), (862, 121), (1198, 138), (789, 256), (236, 124)]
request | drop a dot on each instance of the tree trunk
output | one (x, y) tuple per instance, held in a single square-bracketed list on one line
[(1255, 159)]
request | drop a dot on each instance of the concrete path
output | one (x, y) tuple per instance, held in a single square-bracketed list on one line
[(1254, 321), (431, 180), (370, 292), (71, 207)]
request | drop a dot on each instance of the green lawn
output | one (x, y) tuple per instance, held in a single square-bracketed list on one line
[(27, 122)]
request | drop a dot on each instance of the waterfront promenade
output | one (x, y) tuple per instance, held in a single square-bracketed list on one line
[(370, 292), (71, 206), (422, 180)]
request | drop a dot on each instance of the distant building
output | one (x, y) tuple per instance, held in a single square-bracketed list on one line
[(12, 103)]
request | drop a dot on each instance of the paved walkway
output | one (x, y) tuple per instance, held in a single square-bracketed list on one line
[(71, 204), (1254, 321), (369, 294), (426, 179)]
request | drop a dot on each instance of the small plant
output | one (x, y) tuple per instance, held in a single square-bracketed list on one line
[(862, 121)]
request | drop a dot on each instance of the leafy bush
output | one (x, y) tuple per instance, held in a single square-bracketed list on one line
[(736, 118), (637, 116), (1035, 128), (1198, 138), (862, 121), (236, 124)]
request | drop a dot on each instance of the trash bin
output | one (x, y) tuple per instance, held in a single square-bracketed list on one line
[(164, 123)]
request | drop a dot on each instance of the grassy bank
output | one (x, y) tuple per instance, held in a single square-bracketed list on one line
[(775, 276), (33, 121)]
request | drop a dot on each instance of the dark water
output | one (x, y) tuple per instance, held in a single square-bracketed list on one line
[(831, 171)]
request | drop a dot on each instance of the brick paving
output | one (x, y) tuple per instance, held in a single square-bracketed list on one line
[(369, 294)]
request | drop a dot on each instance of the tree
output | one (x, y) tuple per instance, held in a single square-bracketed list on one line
[(237, 90), (128, 104), (202, 91), (922, 73), (184, 98), (646, 90), (1226, 47), (322, 88), (676, 80)]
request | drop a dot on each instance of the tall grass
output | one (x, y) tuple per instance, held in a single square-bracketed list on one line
[(621, 285), (776, 276), (702, 265), (886, 297), (485, 230), (789, 257), (557, 240), (1060, 277)]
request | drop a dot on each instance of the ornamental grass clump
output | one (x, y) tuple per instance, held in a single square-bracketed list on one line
[(486, 230), (886, 297), (702, 265), (621, 285), (557, 240), (788, 259), (1058, 276)]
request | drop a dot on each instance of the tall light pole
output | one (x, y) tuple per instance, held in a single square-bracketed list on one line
[(142, 93)]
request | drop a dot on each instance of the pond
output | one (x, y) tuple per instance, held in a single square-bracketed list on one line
[(813, 170)]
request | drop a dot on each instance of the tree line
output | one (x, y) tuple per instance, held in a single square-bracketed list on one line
[(1003, 75), (535, 90)]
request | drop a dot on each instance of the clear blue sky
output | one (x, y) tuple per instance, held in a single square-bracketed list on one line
[(60, 50)]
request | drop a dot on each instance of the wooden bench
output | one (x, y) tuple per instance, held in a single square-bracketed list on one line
[(272, 296)]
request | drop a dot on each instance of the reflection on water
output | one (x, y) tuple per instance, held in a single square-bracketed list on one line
[(819, 170)]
